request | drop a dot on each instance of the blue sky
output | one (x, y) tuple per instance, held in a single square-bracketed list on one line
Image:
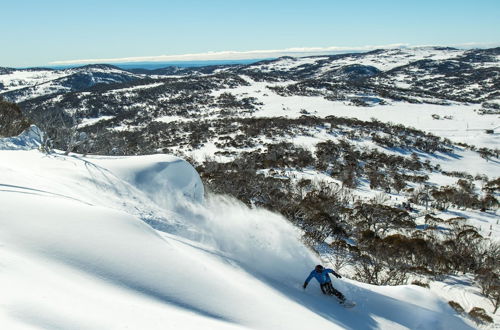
[(52, 31)]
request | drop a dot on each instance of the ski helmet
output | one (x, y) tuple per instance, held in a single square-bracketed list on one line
[(319, 268)]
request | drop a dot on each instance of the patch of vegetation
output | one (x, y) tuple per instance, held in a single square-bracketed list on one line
[(480, 316), (456, 306), (12, 120), (424, 285)]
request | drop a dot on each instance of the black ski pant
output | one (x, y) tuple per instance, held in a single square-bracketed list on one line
[(327, 288)]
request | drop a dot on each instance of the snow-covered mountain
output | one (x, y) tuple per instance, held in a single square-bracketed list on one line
[(22, 84), (128, 242), (419, 75)]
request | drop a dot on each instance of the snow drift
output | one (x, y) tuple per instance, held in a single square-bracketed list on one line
[(129, 242)]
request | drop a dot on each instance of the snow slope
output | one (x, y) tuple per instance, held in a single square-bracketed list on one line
[(79, 250)]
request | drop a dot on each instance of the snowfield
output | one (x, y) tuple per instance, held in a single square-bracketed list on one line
[(457, 121), (130, 243)]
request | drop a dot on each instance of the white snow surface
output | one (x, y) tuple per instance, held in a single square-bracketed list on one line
[(79, 250), (27, 140)]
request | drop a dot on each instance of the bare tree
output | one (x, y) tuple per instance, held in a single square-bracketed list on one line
[(488, 277)]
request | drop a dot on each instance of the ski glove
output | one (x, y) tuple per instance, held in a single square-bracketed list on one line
[(305, 285), (337, 275)]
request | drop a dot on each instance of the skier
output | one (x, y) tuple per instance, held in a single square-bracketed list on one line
[(321, 274)]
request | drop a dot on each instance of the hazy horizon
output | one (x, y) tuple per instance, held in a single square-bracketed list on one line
[(56, 32)]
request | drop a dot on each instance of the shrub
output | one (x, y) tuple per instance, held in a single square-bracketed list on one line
[(422, 284), (479, 315), (456, 306)]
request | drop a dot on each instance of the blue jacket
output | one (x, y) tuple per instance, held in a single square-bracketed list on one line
[(322, 277)]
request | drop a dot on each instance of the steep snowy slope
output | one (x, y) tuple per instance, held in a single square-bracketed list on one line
[(76, 252)]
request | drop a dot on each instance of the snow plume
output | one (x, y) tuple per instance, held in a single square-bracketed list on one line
[(260, 241), (257, 240)]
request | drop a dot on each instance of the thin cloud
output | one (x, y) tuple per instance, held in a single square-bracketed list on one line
[(252, 54), (230, 55)]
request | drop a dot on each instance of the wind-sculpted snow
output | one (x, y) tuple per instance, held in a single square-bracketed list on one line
[(159, 176), (76, 251), (28, 140)]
